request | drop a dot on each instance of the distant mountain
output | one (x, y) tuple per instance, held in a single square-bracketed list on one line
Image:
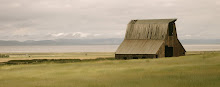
[(200, 41), (112, 41)]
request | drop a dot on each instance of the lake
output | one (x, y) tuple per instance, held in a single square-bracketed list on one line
[(90, 48)]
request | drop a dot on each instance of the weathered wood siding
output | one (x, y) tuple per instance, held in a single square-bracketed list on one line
[(161, 51), (178, 49), (146, 31), (139, 47), (150, 38), (170, 39)]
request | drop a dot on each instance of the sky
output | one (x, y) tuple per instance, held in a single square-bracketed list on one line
[(94, 19)]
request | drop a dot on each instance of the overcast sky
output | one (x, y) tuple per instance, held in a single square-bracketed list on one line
[(69, 19)]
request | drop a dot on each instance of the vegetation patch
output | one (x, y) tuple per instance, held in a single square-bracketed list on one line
[(37, 61), (200, 70), (4, 56)]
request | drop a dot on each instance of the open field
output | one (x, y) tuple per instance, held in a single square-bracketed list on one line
[(75, 55), (197, 69)]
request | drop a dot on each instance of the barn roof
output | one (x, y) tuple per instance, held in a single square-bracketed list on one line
[(152, 21), (148, 29), (139, 47)]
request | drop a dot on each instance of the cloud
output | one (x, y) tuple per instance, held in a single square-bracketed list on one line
[(74, 34), (58, 34), (188, 35), (21, 32), (81, 35), (15, 5), (218, 2), (103, 18)]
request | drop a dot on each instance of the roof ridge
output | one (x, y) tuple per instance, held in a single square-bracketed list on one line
[(157, 19)]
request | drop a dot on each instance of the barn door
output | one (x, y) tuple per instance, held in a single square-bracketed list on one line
[(168, 51)]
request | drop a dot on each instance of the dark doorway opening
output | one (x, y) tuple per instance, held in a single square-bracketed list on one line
[(124, 58), (168, 51)]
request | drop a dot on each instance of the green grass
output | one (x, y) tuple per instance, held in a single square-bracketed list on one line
[(194, 70)]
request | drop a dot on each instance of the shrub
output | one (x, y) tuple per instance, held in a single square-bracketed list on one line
[(4, 56)]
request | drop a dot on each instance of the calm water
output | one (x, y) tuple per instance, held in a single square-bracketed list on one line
[(91, 48)]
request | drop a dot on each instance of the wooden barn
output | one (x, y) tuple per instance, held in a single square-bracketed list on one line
[(150, 39)]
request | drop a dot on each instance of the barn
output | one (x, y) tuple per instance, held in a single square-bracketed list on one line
[(152, 38)]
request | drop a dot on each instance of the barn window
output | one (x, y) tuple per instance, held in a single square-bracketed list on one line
[(135, 57)]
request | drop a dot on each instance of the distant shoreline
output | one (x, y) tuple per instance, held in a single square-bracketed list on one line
[(108, 41), (99, 45), (91, 48)]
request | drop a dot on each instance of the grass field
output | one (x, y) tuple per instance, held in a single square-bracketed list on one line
[(197, 69), (75, 55)]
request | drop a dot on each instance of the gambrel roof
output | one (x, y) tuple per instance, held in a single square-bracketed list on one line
[(144, 36)]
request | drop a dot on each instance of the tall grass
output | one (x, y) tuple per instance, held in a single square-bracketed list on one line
[(201, 70)]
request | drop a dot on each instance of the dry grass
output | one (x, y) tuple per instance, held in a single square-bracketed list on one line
[(75, 55), (200, 70)]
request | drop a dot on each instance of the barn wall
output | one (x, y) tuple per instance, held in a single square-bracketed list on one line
[(178, 49), (175, 42), (171, 39), (131, 56), (177, 46), (161, 51)]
